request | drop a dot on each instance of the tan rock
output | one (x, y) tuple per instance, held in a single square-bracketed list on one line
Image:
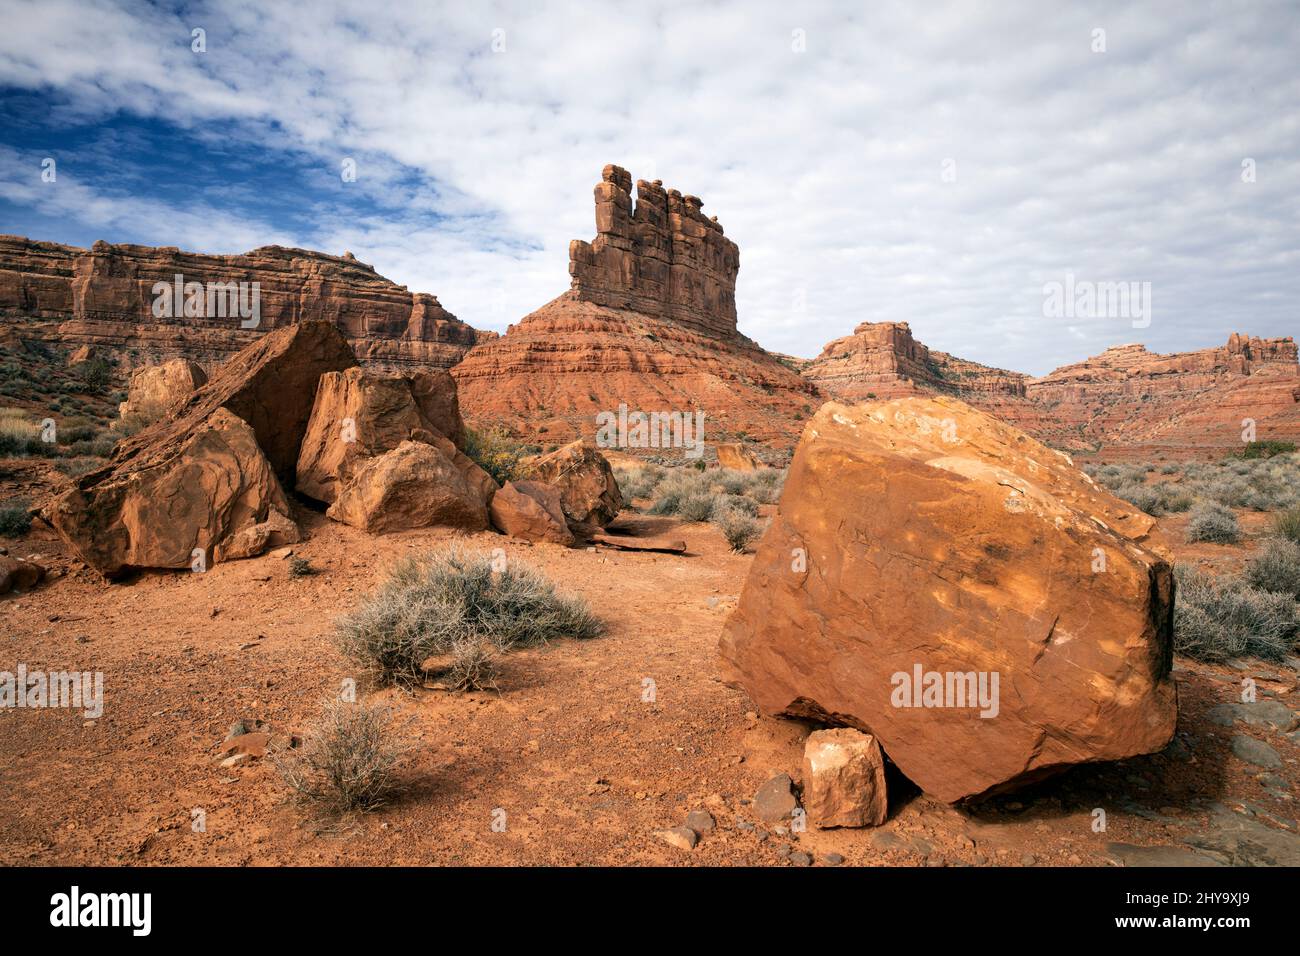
[(844, 779), (212, 491), (589, 493), (974, 554), (737, 457), (156, 391), (413, 486), (532, 511)]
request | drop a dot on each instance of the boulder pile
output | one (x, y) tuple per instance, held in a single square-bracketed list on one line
[(941, 581), (206, 483)]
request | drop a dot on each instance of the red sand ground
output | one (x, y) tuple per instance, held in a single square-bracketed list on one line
[(585, 771)]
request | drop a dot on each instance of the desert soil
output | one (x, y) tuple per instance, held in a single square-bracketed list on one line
[(583, 767)]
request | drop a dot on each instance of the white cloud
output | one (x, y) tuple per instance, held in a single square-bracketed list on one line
[(825, 166)]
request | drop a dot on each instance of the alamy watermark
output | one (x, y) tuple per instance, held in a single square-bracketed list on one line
[(1081, 299), (624, 429), (212, 300), (66, 689), (955, 689)]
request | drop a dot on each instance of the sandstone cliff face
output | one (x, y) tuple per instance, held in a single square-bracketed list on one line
[(884, 360), (650, 322), (104, 297), (1187, 402)]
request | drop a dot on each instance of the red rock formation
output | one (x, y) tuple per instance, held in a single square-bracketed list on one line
[(1188, 401), (650, 322), (105, 297), (1127, 396)]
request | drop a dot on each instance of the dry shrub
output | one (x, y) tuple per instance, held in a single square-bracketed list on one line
[(432, 602), (1218, 619), (347, 759)]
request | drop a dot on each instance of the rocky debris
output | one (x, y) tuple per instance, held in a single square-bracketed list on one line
[(844, 779), (156, 391), (833, 859), (737, 457), (1240, 839), (1256, 752), (800, 858), (589, 494), (661, 545), (993, 538), (532, 511), (649, 324), (103, 298), (17, 575), (359, 414), (1158, 856), (775, 800), (684, 838), (185, 498), (413, 486), (1260, 713)]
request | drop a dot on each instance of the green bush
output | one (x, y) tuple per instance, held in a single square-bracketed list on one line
[(432, 601), (1267, 449), (496, 452), (1218, 619)]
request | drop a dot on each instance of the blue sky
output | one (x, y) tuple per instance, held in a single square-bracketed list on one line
[(936, 167)]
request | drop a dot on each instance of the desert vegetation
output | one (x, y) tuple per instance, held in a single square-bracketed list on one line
[(725, 497), (347, 761), (1255, 481), (444, 603)]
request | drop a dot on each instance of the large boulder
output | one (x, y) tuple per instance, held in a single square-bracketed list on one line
[(588, 492), (155, 391), (360, 415), (532, 511), (213, 491), (944, 582), (271, 385), (416, 485)]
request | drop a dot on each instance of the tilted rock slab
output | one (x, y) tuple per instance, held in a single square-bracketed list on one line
[(532, 511), (211, 497), (919, 536)]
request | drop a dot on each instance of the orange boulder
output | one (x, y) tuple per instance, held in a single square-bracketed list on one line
[(947, 584)]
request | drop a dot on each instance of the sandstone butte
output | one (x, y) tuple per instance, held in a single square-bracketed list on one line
[(982, 554), (103, 297), (650, 322), (1127, 396)]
